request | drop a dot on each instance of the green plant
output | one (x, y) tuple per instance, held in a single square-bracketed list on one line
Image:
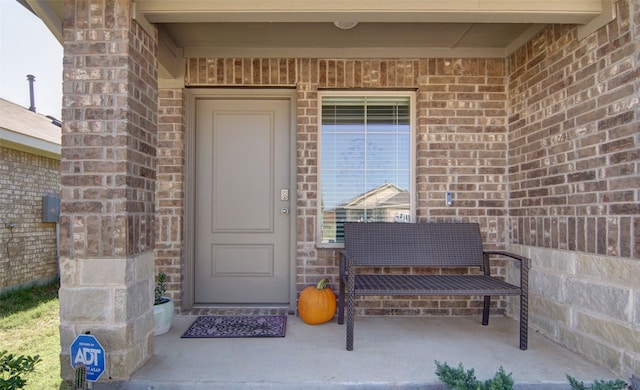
[(14, 368), (459, 379), (597, 385), (26, 299), (161, 288), (80, 379), (29, 325)]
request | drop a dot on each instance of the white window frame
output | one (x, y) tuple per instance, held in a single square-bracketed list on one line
[(412, 152)]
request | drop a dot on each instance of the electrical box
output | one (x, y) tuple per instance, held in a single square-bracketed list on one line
[(50, 208)]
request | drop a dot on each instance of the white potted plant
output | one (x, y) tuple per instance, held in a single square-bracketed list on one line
[(162, 307)]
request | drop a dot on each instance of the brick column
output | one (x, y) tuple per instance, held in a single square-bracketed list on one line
[(108, 178), (308, 266), (169, 219)]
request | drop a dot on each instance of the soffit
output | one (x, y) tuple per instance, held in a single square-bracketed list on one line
[(400, 28), (326, 35)]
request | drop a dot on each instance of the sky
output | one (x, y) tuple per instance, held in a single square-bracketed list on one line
[(28, 47)]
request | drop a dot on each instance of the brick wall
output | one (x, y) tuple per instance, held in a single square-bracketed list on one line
[(27, 251), (142, 121), (461, 146), (574, 185), (109, 136), (573, 141), (169, 241)]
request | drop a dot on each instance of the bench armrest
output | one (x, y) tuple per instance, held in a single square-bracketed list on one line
[(525, 261), (344, 260), (525, 265)]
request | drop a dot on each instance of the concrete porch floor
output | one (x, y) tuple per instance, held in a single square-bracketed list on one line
[(389, 352)]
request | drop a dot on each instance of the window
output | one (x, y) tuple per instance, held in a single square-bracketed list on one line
[(366, 161)]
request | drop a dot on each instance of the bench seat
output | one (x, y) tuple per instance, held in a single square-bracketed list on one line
[(433, 285)]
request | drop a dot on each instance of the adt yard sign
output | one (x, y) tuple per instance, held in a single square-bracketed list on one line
[(86, 350)]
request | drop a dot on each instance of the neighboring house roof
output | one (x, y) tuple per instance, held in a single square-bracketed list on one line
[(383, 196), (28, 131)]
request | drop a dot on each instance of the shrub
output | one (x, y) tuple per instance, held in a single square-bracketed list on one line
[(161, 288), (597, 385), (458, 379), (14, 368)]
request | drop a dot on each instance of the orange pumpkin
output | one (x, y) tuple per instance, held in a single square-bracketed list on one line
[(317, 304)]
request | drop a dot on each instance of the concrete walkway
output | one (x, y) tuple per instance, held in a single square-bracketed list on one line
[(389, 352)]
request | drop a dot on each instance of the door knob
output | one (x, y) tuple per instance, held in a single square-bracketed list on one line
[(284, 211)]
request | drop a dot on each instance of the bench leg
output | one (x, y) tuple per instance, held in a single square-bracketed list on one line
[(350, 323), (341, 302), (485, 310), (524, 321), (351, 308)]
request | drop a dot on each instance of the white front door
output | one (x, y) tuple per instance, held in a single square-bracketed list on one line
[(242, 208)]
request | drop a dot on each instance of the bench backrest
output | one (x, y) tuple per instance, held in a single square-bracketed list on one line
[(438, 244)]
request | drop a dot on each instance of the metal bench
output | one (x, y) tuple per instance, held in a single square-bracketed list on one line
[(440, 245)]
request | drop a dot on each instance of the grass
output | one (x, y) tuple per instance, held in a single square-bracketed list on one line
[(29, 320)]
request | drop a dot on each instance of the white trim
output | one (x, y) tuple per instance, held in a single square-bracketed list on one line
[(48, 16), (171, 63), (141, 19), (607, 15), (191, 97), (29, 144), (346, 52), (412, 151), (441, 11), (524, 38), (188, 289)]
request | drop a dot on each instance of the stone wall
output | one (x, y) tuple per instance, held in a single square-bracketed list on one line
[(574, 185), (588, 303), (461, 147), (28, 250)]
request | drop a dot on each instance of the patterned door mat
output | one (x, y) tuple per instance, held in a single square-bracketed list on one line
[(237, 326)]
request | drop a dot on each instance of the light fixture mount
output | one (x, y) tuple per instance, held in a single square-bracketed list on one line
[(345, 25)]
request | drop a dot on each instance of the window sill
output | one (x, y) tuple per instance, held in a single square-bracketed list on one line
[(330, 246)]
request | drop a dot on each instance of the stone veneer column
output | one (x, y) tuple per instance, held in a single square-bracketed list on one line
[(108, 178)]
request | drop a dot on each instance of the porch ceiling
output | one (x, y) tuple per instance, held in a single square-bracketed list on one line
[(400, 28)]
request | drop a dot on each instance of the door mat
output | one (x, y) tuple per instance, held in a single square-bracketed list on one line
[(237, 326)]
